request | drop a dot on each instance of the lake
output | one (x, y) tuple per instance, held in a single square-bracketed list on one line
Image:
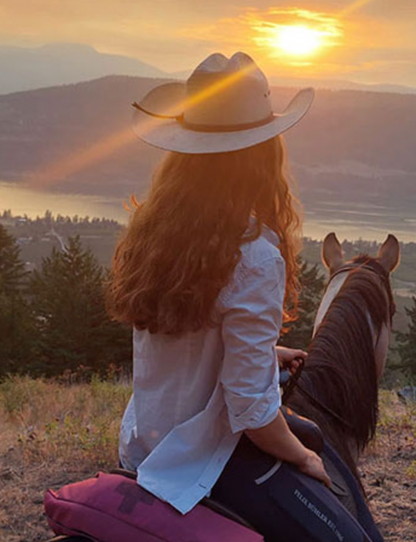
[(21, 200), (351, 221)]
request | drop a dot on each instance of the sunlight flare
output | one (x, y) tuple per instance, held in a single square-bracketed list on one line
[(354, 6), (80, 159), (83, 158), (296, 33), (298, 40)]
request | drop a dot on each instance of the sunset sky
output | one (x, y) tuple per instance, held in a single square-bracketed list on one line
[(369, 41)]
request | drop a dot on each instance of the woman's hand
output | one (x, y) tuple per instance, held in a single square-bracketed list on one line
[(287, 358), (277, 439), (314, 467)]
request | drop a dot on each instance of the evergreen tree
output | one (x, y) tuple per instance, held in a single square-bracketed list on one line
[(12, 269), (407, 344), (299, 332), (74, 329), (16, 323)]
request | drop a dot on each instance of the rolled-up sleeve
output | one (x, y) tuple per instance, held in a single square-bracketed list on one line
[(252, 317)]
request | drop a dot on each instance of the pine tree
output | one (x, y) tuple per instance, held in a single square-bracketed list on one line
[(16, 323), (74, 329), (407, 344), (12, 269), (299, 332)]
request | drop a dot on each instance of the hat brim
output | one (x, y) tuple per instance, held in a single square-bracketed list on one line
[(169, 134)]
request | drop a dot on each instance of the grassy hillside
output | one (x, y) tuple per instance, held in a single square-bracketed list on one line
[(54, 433)]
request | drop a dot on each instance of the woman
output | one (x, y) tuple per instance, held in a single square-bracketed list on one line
[(203, 272)]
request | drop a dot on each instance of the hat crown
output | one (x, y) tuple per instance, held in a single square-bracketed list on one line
[(213, 63), (227, 92), (224, 106)]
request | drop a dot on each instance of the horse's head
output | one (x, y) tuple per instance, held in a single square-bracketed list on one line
[(378, 271)]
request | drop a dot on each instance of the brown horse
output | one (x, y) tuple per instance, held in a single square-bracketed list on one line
[(338, 388)]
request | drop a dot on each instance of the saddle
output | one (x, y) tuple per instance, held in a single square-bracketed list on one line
[(306, 430), (114, 508)]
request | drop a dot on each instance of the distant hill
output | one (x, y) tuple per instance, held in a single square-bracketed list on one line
[(327, 84), (340, 84), (24, 68), (353, 154), (57, 64)]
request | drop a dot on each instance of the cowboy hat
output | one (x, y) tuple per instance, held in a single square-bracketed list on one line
[(224, 106)]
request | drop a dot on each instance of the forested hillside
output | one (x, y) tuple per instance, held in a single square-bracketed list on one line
[(353, 145), (55, 257)]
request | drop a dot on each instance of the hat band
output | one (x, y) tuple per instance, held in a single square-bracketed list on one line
[(207, 127), (223, 127)]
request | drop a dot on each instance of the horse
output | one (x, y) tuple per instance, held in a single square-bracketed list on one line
[(338, 386)]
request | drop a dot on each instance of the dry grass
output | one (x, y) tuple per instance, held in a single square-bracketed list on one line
[(56, 433), (52, 434), (389, 470)]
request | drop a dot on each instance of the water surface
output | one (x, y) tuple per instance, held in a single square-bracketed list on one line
[(353, 221)]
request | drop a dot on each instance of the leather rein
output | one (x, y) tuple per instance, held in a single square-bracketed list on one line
[(288, 387)]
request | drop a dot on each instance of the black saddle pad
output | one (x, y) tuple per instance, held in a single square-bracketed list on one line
[(348, 492)]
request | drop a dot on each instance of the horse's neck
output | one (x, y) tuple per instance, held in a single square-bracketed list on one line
[(357, 409), (334, 429)]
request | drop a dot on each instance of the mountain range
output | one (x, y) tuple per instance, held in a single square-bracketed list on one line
[(62, 63), (353, 154)]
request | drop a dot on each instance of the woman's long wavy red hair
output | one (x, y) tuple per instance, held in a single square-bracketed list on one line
[(183, 242)]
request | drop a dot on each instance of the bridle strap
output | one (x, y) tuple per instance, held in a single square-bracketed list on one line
[(370, 265), (374, 267)]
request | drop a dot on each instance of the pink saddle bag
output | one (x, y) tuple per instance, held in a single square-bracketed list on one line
[(113, 508)]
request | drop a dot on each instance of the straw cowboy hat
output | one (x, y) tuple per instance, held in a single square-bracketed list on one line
[(224, 106)]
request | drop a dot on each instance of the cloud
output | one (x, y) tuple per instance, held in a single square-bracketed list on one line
[(360, 47)]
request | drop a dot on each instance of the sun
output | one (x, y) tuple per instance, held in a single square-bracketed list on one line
[(297, 40)]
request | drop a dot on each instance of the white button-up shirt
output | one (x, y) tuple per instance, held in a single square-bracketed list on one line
[(193, 395)]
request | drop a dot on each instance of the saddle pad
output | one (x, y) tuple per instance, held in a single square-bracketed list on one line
[(113, 508), (358, 507), (311, 512)]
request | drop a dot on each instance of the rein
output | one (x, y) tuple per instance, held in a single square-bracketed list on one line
[(369, 265), (294, 382)]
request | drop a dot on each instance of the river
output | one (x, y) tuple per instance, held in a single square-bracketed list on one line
[(320, 218)]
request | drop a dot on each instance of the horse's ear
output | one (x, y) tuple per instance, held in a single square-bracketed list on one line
[(332, 254), (389, 253)]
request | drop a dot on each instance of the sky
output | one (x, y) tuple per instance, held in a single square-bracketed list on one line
[(368, 41)]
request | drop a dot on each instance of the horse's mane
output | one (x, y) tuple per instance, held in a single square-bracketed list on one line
[(340, 370)]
